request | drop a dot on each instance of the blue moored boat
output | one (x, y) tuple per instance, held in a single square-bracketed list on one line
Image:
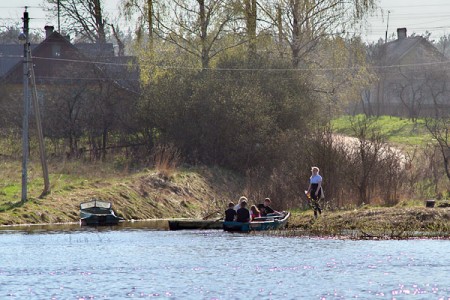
[(98, 213), (271, 222)]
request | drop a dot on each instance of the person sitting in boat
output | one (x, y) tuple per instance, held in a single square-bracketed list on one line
[(262, 209), (269, 210), (230, 213), (243, 214), (254, 212), (237, 206)]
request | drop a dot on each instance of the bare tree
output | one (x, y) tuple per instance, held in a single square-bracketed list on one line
[(199, 27), (443, 45), (302, 24), (84, 18), (438, 90), (9, 34), (375, 167), (145, 11), (344, 72), (410, 92), (440, 130), (422, 91), (120, 44), (250, 11)]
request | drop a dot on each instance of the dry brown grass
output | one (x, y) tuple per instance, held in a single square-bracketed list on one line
[(190, 193), (166, 159), (146, 194), (376, 223)]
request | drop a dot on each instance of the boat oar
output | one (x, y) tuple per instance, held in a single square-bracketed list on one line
[(209, 215), (212, 223)]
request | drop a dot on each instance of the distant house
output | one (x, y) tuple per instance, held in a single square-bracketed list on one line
[(412, 80), (84, 89), (55, 59)]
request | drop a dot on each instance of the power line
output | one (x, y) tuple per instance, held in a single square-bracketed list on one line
[(253, 70), (21, 7), (418, 5), (126, 78), (16, 19)]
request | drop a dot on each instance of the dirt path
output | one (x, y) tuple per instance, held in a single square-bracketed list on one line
[(351, 144)]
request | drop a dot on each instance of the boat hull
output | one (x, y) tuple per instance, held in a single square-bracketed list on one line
[(261, 224), (98, 213), (100, 220), (195, 224)]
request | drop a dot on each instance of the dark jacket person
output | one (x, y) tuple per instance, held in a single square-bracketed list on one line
[(243, 214), (230, 213)]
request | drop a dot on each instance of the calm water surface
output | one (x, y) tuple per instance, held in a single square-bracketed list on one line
[(119, 263)]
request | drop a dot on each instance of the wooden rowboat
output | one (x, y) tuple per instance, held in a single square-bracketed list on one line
[(195, 224), (98, 213), (272, 222)]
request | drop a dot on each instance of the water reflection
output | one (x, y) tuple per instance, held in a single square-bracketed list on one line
[(156, 224)]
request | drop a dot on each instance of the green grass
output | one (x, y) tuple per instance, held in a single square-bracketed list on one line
[(10, 189), (395, 129)]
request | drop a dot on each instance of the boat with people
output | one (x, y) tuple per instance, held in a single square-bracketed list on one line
[(269, 222), (98, 213)]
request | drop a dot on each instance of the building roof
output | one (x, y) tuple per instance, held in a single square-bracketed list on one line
[(96, 50), (396, 50), (10, 55), (120, 69)]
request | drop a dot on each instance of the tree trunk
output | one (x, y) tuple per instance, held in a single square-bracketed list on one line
[(119, 41), (150, 23), (204, 34), (251, 16), (99, 22), (295, 47)]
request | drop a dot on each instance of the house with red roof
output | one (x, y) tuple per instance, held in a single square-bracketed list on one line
[(83, 89)]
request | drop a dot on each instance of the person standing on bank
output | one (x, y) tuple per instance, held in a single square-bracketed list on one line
[(315, 190)]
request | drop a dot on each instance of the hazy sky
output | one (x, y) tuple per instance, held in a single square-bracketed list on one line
[(11, 11), (417, 16)]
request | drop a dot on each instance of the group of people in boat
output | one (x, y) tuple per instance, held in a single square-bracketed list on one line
[(241, 213)]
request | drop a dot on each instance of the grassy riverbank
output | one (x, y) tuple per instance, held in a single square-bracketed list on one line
[(396, 222), (144, 194), (198, 192), (193, 193)]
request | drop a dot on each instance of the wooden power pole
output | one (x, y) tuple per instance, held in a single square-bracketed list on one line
[(28, 74), (26, 106), (37, 114)]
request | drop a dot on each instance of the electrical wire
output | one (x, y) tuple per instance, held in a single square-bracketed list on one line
[(378, 67)]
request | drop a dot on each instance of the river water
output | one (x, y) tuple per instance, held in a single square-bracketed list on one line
[(137, 262)]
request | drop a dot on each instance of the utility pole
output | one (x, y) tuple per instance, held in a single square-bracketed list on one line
[(59, 21), (28, 74), (26, 105), (37, 114), (387, 26)]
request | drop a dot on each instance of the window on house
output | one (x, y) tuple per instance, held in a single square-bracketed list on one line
[(56, 50)]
